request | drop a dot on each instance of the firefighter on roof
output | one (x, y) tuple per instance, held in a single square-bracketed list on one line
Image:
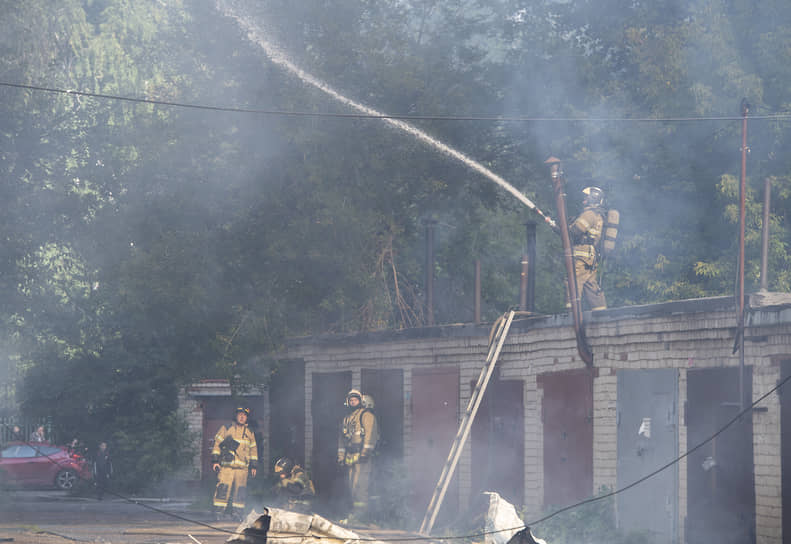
[(586, 233), (233, 455), (356, 445)]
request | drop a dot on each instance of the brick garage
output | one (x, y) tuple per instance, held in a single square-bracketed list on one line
[(686, 337), (685, 343)]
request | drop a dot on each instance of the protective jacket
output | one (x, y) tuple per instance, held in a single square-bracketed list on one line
[(296, 484), (586, 232), (235, 447), (358, 436)]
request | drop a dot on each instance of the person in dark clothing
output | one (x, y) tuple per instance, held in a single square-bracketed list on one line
[(16, 434), (102, 470)]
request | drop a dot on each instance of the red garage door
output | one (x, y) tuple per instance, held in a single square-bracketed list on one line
[(435, 419), (567, 414)]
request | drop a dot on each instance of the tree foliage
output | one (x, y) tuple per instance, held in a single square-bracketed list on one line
[(146, 246)]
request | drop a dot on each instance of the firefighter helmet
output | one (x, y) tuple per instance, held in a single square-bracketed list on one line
[(368, 402), (354, 393), (594, 196), (284, 465), (242, 410)]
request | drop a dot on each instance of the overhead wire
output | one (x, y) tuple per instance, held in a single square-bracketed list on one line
[(533, 523), (130, 500), (777, 116), (296, 113)]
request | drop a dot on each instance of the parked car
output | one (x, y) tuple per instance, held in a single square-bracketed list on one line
[(42, 465)]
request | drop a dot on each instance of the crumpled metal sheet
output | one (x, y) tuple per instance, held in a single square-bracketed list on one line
[(503, 524), (502, 521), (287, 527)]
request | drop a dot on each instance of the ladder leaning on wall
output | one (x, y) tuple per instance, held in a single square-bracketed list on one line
[(496, 341)]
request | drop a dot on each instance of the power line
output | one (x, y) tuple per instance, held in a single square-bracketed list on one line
[(483, 533), (778, 116), (669, 464)]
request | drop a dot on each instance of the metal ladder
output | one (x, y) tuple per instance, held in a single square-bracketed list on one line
[(495, 346)]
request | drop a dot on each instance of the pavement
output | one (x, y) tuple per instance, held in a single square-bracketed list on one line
[(55, 517)]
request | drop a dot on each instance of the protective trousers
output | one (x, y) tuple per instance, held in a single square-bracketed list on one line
[(588, 287), (231, 488), (359, 477)]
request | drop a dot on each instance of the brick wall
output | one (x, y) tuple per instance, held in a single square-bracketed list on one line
[(766, 451), (190, 409), (534, 447), (604, 429), (682, 335)]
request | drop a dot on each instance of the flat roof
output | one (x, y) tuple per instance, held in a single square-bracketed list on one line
[(758, 303)]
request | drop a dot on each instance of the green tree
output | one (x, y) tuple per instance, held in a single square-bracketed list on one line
[(146, 246)]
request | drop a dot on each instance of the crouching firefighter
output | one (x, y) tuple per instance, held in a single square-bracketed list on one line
[(294, 487), (233, 455), (356, 444)]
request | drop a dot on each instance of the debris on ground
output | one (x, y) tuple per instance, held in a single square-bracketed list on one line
[(292, 528), (503, 524)]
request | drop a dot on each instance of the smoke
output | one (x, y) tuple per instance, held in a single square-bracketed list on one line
[(615, 61), (8, 377), (277, 56)]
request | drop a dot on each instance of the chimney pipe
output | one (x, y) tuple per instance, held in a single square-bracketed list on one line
[(430, 224), (477, 308), (745, 107), (523, 284), (556, 173), (531, 267), (765, 235)]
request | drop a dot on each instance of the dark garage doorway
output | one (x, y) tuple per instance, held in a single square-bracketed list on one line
[(388, 489), (498, 441), (287, 409), (435, 419), (720, 481), (327, 409)]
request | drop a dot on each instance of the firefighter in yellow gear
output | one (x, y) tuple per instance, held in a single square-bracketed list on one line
[(356, 444), (294, 486), (234, 454), (586, 234)]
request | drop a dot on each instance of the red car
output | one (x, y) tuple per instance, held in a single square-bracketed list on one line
[(41, 465)]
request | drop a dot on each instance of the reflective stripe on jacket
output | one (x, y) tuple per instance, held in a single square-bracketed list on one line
[(359, 433), (246, 454), (586, 232), (587, 228)]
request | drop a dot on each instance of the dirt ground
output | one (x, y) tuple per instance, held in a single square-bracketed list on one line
[(53, 517)]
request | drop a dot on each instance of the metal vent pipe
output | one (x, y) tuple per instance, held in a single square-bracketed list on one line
[(477, 305), (583, 349), (430, 227), (745, 107), (765, 234), (530, 298)]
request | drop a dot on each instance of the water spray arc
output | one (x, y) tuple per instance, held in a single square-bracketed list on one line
[(277, 56)]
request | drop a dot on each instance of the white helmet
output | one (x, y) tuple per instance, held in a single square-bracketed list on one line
[(594, 196)]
